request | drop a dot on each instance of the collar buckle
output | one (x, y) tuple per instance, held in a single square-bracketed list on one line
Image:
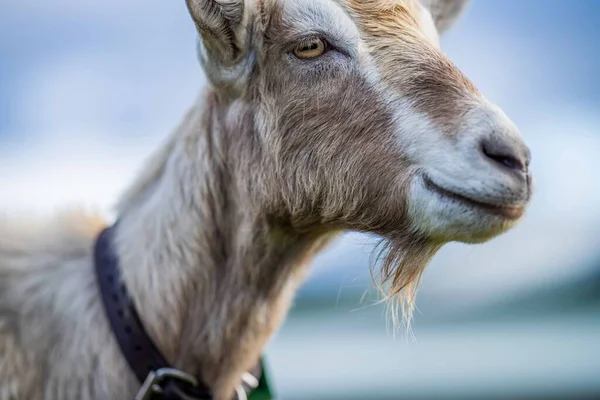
[(156, 379)]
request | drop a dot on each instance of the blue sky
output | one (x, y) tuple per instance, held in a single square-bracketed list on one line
[(89, 89)]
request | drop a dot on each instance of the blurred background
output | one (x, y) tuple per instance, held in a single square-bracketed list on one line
[(89, 88)]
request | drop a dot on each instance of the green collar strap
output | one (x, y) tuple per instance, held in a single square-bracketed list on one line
[(263, 390)]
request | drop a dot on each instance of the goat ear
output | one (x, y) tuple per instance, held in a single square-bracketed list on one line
[(445, 12), (223, 29)]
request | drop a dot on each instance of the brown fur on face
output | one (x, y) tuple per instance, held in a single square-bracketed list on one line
[(343, 181), (409, 63)]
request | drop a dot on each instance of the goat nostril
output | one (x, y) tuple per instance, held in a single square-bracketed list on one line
[(508, 161), (504, 158)]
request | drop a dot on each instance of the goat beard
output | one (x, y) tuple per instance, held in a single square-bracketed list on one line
[(403, 260)]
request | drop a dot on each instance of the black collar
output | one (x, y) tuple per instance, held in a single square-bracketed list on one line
[(158, 378)]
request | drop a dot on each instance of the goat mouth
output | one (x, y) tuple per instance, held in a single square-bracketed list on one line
[(508, 212)]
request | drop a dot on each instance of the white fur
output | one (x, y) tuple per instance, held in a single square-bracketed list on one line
[(428, 26)]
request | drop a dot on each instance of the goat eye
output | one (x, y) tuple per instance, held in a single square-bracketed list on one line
[(311, 48)]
